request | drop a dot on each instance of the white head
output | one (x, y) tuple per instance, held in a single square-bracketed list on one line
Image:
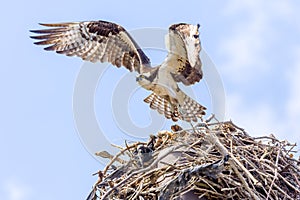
[(143, 80), (147, 78)]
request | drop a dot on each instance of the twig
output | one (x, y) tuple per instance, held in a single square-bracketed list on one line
[(119, 154), (243, 180), (275, 176)]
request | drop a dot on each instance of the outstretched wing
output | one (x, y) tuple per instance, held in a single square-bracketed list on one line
[(94, 41), (183, 59)]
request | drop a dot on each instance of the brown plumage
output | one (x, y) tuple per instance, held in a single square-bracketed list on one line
[(93, 41), (101, 41)]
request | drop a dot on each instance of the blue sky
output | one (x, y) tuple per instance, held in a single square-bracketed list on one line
[(254, 45)]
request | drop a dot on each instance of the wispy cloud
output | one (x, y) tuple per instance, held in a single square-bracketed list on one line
[(15, 190), (244, 50), (259, 119), (254, 28)]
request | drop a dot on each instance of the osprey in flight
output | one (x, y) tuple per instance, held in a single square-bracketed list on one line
[(108, 42)]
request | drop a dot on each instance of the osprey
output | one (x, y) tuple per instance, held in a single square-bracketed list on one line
[(102, 41)]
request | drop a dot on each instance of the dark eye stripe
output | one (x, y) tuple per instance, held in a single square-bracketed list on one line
[(196, 36)]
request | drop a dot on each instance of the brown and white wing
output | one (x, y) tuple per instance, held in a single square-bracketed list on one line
[(94, 41), (184, 47)]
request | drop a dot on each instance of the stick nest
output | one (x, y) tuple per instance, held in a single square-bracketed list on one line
[(209, 161)]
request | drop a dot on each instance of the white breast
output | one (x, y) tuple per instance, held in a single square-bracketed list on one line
[(165, 81)]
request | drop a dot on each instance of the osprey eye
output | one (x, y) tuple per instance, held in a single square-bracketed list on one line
[(196, 36)]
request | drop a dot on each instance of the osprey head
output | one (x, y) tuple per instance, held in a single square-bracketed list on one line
[(147, 78), (143, 80)]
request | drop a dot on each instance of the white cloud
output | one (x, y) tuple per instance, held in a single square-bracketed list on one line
[(16, 190), (250, 38), (244, 49), (257, 119), (254, 28), (283, 9), (278, 8)]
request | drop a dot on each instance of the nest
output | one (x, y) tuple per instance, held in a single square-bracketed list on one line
[(209, 161)]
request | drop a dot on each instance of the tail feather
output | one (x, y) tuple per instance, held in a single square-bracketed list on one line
[(190, 109), (186, 109), (163, 106)]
